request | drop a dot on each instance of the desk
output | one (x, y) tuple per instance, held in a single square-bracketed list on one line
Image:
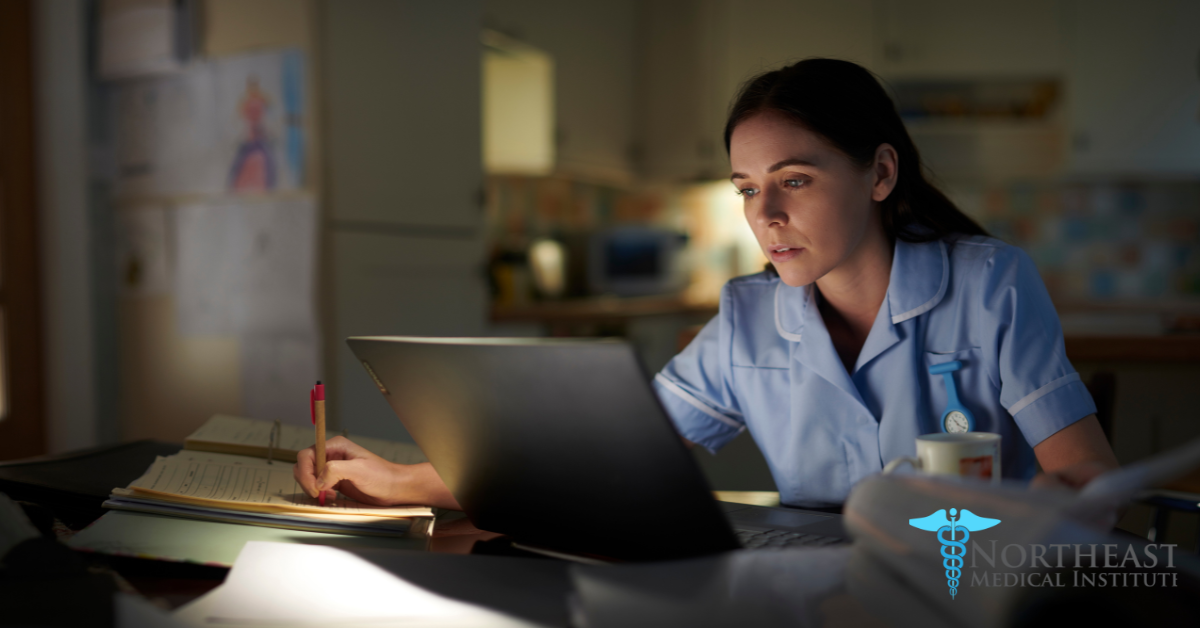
[(720, 589), (70, 488), (73, 485)]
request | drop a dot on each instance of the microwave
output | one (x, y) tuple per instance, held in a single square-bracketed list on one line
[(637, 261)]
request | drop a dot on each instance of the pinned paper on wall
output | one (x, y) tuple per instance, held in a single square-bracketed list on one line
[(164, 130), (143, 252), (246, 267), (139, 37), (233, 125)]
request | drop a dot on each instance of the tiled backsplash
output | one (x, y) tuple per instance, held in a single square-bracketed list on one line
[(1099, 241), (1092, 242)]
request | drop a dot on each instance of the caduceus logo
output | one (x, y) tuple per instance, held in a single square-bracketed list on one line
[(953, 549)]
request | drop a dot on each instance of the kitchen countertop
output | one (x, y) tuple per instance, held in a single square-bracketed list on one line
[(1163, 348), (1084, 343), (599, 309)]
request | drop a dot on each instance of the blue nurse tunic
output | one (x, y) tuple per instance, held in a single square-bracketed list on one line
[(766, 364)]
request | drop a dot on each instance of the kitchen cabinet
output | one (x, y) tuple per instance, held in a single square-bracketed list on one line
[(679, 132), (387, 284), (403, 252), (592, 45), (697, 53), (951, 39), (402, 91), (1133, 87)]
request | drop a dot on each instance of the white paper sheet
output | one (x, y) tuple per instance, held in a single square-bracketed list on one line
[(165, 136), (143, 251), (246, 267), (207, 278), (318, 585), (1117, 488), (137, 38), (276, 247)]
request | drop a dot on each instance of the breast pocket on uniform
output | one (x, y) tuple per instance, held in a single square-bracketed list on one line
[(972, 381)]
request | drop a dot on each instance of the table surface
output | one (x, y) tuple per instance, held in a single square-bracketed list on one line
[(72, 487)]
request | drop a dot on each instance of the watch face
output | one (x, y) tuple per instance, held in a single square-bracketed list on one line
[(956, 422)]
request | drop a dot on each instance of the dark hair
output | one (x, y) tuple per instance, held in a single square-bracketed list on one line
[(844, 103)]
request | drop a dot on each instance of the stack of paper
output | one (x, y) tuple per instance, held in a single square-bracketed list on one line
[(240, 489), (200, 483)]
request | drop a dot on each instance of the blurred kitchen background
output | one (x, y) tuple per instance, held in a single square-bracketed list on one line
[(203, 198)]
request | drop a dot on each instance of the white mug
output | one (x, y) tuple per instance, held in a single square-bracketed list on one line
[(965, 454)]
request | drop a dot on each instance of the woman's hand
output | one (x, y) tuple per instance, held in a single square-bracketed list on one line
[(1074, 455), (1074, 476), (363, 476)]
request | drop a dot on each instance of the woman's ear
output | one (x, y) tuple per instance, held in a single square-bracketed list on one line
[(886, 170)]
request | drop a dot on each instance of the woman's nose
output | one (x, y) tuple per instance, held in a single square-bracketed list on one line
[(770, 210)]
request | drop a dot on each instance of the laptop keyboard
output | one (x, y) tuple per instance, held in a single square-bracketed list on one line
[(779, 539)]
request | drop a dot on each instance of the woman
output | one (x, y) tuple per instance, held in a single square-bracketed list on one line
[(876, 276)]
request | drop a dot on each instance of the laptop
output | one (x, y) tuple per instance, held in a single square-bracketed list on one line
[(562, 445)]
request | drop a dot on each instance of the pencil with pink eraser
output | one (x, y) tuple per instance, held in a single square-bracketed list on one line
[(316, 399)]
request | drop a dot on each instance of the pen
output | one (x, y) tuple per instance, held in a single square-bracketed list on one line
[(316, 400)]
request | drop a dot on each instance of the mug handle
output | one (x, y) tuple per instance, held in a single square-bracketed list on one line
[(895, 464)]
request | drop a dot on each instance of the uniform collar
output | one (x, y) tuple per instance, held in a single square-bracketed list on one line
[(918, 281), (920, 276)]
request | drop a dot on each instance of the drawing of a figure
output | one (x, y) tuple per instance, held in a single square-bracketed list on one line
[(253, 168)]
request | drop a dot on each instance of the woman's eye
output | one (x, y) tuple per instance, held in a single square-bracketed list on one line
[(793, 183), (747, 192)]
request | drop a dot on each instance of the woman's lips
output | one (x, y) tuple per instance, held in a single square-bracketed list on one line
[(782, 254)]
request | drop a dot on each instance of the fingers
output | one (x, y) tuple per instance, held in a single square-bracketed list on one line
[(1047, 480), (1074, 476), (1077, 476), (342, 448), (337, 449), (304, 473), (335, 471)]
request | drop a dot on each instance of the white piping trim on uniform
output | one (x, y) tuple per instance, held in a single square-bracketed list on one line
[(787, 335), (937, 298), (683, 394), (1042, 392)]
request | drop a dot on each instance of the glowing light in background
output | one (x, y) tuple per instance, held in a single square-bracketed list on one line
[(518, 107), (723, 246)]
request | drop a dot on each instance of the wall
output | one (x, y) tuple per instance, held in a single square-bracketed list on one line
[(66, 227), (170, 384)]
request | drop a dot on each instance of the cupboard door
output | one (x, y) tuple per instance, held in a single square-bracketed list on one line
[(595, 61), (388, 284), (679, 138), (1134, 87), (697, 53), (402, 90), (955, 39)]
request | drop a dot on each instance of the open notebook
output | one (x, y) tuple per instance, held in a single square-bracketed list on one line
[(225, 434), (247, 489)]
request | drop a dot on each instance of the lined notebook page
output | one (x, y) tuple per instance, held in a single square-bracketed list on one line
[(242, 483)]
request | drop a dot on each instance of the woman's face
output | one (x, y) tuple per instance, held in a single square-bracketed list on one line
[(810, 207)]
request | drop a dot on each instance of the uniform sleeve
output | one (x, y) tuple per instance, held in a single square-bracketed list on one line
[(695, 387), (1038, 385)]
